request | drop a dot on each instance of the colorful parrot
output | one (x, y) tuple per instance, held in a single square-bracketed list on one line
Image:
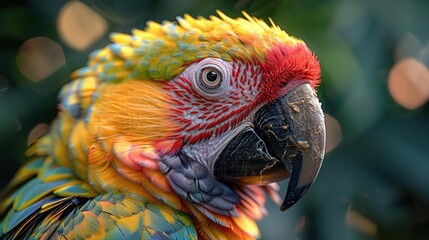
[(176, 131)]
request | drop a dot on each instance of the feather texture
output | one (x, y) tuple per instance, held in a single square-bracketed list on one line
[(54, 204), (112, 165)]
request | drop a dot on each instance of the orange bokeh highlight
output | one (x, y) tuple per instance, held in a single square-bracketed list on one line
[(39, 57), (80, 26), (408, 83)]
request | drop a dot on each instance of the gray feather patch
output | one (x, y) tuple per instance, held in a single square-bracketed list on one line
[(192, 181)]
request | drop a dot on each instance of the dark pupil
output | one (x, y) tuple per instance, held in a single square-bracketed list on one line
[(211, 76)]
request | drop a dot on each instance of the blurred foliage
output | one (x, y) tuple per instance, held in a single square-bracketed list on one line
[(374, 185)]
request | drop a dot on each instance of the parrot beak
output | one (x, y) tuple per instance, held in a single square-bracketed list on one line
[(287, 141)]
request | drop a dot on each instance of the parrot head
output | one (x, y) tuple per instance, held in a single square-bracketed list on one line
[(203, 116)]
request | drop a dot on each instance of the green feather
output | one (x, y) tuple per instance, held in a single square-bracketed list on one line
[(14, 218), (33, 191)]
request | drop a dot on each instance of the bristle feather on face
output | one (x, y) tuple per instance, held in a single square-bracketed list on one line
[(286, 63)]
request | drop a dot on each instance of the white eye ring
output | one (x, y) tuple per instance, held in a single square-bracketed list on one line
[(211, 77)]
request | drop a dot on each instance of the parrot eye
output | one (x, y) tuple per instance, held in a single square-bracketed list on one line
[(211, 77)]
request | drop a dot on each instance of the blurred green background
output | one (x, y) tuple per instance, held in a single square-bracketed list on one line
[(374, 55)]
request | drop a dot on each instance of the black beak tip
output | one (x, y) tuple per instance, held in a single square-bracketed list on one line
[(293, 196)]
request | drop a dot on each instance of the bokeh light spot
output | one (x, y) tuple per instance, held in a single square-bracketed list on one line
[(360, 222), (334, 135), (39, 57), (38, 131), (79, 26), (409, 83)]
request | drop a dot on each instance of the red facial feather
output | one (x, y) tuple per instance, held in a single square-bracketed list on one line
[(284, 68), (200, 117), (284, 64)]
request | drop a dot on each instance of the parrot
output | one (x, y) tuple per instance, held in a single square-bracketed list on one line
[(177, 131)]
